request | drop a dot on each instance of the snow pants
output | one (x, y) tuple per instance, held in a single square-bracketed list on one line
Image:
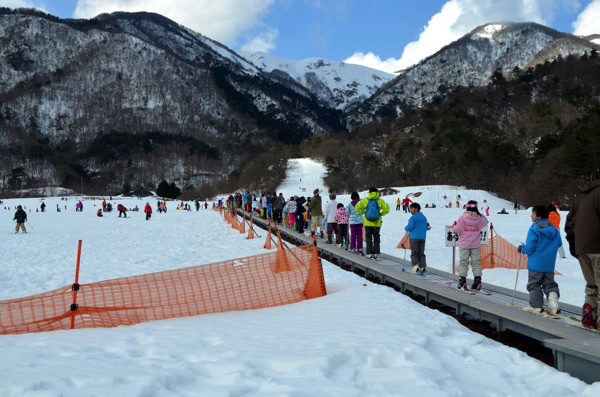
[(341, 237), (463, 263), (21, 226), (590, 267), (356, 237), (315, 222), (372, 236), (417, 253), (538, 284)]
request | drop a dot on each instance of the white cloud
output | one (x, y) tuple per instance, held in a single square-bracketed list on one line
[(263, 42), (16, 4), (373, 61), (587, 21), (222, 20), (455, 19)]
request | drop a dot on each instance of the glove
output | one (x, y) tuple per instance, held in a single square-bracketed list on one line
[(520, 248)]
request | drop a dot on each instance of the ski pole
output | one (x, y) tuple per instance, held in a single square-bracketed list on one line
[(516, 279), (31, 227)]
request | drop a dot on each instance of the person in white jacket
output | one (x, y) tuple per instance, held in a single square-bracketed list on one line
[(330, 216)]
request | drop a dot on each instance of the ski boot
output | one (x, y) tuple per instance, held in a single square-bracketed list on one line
[(476, 283), (462, 283), (553, 303), (588, 320), (416, 269)]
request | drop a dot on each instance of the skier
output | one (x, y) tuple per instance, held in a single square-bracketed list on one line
[(417, 227), (356, 225), (373, 209), (405, 203), (342, 219), (542, 243), (330, 212), (20, 217), (122, 210), (316, 212), (468, 227), (148, 211)]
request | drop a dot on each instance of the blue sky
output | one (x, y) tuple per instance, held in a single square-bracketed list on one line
[(384, 34)]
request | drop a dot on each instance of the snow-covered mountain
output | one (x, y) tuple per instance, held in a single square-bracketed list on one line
[(470, 61), (66, 84), (335, 83), (87, 99)]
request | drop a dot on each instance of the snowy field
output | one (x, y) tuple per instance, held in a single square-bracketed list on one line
[(361, 339)]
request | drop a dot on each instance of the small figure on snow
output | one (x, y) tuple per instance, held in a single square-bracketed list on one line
[(20, 218), (122, 210), (148, 211)]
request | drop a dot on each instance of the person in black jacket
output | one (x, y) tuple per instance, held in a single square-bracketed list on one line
[(300, 214), (20, 218)]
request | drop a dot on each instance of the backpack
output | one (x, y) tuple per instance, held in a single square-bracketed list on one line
[(372, 214)]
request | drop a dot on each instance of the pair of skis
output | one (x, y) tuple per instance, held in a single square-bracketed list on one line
[(468, 291), (573, 321)]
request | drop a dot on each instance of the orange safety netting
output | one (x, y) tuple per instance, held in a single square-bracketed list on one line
[(500, 253), (405, 242), (276, 278)]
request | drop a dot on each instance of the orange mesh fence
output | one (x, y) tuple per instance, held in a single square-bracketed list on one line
[(500, 253), (276, 278)]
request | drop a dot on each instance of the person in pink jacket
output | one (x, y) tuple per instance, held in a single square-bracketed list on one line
[(468, 227)]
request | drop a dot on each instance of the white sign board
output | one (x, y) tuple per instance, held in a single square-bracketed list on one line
[(452, 238)]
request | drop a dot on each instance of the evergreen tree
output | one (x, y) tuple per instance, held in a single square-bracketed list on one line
[(163, 189)]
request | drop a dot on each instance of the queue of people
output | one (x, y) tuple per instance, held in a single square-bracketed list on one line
[(356, 226)]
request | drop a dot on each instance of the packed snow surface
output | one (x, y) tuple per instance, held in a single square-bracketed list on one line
[(362, 339)]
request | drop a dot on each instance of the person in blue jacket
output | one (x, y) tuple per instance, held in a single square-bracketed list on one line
[(417, 227), (541, 246)]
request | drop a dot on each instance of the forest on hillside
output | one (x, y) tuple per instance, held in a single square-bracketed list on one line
[(533, 137)]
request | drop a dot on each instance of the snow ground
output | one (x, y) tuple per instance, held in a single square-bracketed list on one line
[(361, 339)]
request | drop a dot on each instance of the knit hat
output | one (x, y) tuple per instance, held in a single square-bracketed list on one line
[(316, 191)]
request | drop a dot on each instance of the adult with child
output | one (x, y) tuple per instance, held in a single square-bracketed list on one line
[(355, 222), (405, 204), (20, 217), (541, 245), (373, 208), (583, 234), (468, 227), (417, 227)]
